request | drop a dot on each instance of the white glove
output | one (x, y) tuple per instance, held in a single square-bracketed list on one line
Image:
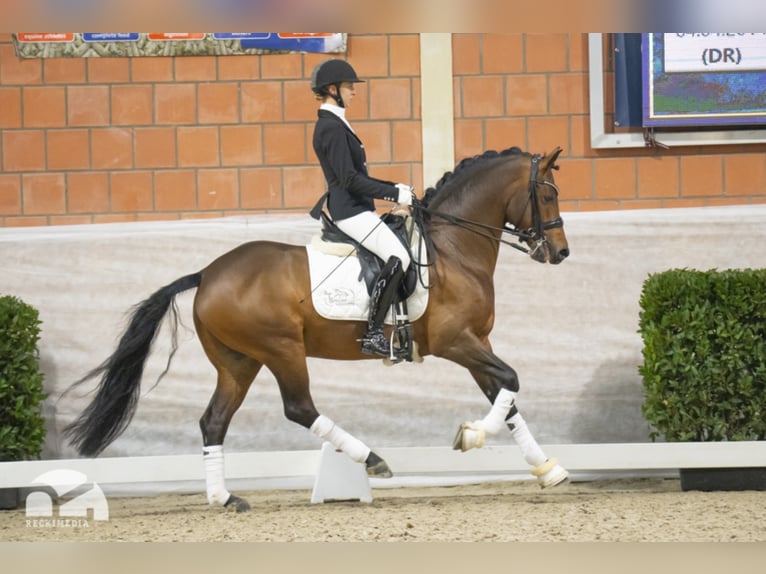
[(405, 194)]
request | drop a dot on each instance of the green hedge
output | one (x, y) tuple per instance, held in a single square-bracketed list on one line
[(22, 428), (704, 370)]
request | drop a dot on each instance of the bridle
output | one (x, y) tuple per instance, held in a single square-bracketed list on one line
[(539, 227), (535, 233)]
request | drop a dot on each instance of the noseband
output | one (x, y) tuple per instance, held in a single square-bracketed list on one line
[(535, 234)]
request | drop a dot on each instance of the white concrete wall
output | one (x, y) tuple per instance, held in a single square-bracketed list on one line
[(570, 331)]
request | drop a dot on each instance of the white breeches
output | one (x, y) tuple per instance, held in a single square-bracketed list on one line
[(368, 229)]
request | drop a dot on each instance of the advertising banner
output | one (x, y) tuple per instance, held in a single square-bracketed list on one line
[(137, 44)]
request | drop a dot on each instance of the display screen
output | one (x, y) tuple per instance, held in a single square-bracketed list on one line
[(704, 79)]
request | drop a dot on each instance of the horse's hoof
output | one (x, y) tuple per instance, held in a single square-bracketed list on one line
[(557, 477), (550, 474), (468, 436), (457, 442), (377, 467), (237, 503), (379, 470)]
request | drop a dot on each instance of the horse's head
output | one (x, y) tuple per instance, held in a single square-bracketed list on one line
[(540, 221)]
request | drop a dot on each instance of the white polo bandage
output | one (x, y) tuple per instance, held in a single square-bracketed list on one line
[(531, 451), (324, 428), (214, 475), (495, 419)]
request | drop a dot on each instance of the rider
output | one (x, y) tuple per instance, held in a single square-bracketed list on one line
[(351, 192)]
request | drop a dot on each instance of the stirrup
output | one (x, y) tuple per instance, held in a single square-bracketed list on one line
[(375, 342)]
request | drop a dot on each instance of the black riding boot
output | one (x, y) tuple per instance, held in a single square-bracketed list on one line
[(375, 341)]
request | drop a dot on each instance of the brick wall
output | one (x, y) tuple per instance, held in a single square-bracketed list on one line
[(117, 139), (532, 89)]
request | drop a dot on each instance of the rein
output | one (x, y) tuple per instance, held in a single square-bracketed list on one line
[(535, 233)]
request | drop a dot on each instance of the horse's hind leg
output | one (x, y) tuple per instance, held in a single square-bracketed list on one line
[(290, 369), (235, 374)]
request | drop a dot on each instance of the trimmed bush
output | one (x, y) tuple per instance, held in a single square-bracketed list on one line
[(22, 428), (704, 370)]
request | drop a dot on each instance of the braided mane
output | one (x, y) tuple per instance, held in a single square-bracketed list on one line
[(464, 165)]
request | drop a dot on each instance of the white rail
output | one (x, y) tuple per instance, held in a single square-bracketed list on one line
[(406, 461)]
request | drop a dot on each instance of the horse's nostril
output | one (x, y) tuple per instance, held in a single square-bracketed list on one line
[(564, 253)]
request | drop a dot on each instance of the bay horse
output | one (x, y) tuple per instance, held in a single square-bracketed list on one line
[(253, 308)]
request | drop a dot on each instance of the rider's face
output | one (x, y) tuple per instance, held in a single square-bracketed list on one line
[(347, 92)]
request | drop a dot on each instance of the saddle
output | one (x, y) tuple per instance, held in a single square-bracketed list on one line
[(370, 263), (370, 266)]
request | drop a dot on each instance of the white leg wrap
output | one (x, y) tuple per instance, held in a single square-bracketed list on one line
[(495, 419), (548, 471), (472, 435), (325, 429), (531, 451), (214, 477)]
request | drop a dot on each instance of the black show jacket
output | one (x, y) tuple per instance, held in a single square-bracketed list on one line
[(341, 155)]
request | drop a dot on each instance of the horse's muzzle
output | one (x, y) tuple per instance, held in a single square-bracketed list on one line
[(543, 252), (559, 256)]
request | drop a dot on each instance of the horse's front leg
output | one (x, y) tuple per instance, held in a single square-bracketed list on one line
[(500, 384)]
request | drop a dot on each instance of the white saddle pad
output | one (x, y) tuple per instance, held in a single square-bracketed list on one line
[(337, 292)]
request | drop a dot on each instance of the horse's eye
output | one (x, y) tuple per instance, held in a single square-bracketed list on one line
[(549, 197)]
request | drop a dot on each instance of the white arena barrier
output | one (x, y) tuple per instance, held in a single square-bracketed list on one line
[(411, 465)]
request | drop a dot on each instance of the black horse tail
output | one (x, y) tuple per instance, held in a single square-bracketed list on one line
[(114, 405)]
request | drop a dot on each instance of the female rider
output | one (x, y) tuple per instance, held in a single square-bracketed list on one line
[(351, 192)]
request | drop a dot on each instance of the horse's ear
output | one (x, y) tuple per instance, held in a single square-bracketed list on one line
[(549, 160)]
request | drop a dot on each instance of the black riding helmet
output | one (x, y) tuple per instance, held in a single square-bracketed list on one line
[(332, 72)]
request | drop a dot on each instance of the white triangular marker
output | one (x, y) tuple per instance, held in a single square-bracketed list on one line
[(339, 478)]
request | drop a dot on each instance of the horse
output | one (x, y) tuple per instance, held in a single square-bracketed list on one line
[(253, 307)]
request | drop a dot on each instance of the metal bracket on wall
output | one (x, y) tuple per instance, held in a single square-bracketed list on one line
[(651, 141)]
